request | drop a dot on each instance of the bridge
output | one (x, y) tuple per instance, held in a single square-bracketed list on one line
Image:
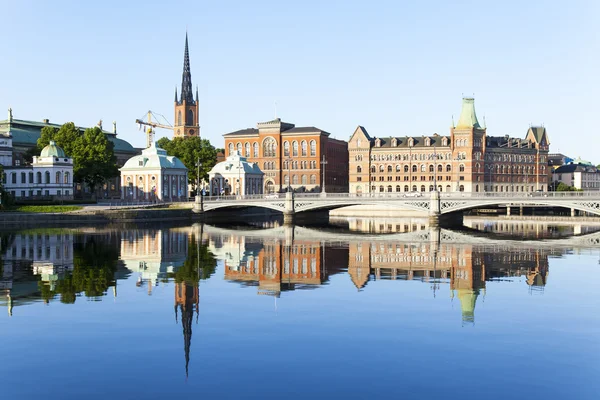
[(433, 204)]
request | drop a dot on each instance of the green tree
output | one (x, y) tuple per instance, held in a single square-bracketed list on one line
[(189, 150), (94, 159), (563, 187), (67, 137)]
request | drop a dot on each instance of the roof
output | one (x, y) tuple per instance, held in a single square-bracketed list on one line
[(153, 157), (508, 142), (234, 161), (436, 141), (306, 129), (52, 150), (570, 168), (243, 132), (468, 119), (284, 128), (26, 133), (538, 132)]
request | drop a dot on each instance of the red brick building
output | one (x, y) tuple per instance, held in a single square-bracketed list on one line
[(293, 156)]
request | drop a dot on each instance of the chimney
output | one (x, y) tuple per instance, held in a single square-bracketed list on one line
[(46, 121)]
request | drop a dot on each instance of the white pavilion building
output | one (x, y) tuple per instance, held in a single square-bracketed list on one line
[(235, 176), (154, 175)]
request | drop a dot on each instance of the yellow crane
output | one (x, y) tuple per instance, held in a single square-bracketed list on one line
[(151, 124)]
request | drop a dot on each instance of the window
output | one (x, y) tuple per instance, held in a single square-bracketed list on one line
[(286, 148), (381, 168), (295, 149), (304, 179), (67, 177), (414, 168), (13, 178), (230, 148), (461, 168), (286, 179), (397, 168), (269, 147), (414, 188), (304, 148), (47, 177), (439, 168), (431, 168), (247, 149), (381, 189), (373, 169), (397, 188), (255, 149), (406, 188), (239, 148), (31, 177), (406, 168), (423, 168), (461, 188), (389, 189), (295, 179), (23, 178), (57, 180), (179, 121), (313, 179), (389, 168), (313, 148), (448, 168), (422, 188), (358, 169)]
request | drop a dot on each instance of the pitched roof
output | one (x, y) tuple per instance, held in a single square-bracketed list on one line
[(306, 129), (468, 119), (569, 168), (248, 131), (436, 141), (538, 132)]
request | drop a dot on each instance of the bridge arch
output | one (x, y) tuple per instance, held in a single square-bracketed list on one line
[(456, 205)]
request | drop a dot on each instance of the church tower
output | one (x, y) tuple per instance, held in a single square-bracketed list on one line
[(186, 108)]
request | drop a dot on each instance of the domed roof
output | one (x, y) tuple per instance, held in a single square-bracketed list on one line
[(236, 162), (52, 150), (154, 157)]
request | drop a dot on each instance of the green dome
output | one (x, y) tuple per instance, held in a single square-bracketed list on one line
[(52, 150)]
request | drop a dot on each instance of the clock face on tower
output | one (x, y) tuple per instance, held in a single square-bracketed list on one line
[(192, 132)]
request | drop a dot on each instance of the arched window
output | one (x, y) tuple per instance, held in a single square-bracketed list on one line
[(431, 168), (381, 168), (47, 178), (269, 147), (423, 168), (304, 179), (313, 149), (266, 166), (13, 178), (286, 179), (286, 148), (406, 168), (461, 168), (239, 148), (255, 149), (448, 188), (439, 168), (461, 188), (414, 168), (179, 121), (295, 149), (389, 188), (57, 178), (397, 168), (422, 188), (67, 177), (448, 168), (406, 188), (313, 179), (247, 149), (397, 188), (23, 177), (304, 148), (373, 169), (295, 179), (389, 168), (230, 148), (431, 189), (358, 169), (381, 189), (478, 167), (39, 177), (189, 120)]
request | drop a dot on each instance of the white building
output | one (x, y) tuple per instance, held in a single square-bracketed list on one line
[(235, 176), (154, 175), (582, 176), (50, 175)]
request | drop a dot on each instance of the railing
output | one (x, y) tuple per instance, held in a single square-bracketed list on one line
[(405, 195)]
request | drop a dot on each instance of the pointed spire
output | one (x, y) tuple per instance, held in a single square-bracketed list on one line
[(186, 79), (176, 101), (196, 93)]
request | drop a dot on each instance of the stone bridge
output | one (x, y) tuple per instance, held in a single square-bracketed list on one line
[(434, 204)]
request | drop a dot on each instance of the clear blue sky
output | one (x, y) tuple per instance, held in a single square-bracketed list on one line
[(397, 68)]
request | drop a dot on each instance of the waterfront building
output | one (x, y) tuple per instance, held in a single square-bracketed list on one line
[(24, 135), (235, 176), (186, 108), (305, 159), (580, 175), (154, 175), (468, 160), (49, 176)]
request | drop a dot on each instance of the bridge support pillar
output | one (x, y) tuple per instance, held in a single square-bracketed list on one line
[(521, 211), (508, 210), (434, 209), (290, 212), (198, 205), (573, 212)]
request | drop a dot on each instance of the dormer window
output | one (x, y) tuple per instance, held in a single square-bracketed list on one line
[(444, 141), (411, 142), (378, 143), (427, 142), (394, 142)]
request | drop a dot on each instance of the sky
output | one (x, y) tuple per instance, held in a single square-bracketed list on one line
[(395, 67)]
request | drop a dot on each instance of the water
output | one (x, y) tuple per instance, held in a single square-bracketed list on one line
[(126, 312)]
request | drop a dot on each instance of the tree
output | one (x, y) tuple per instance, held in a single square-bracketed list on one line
[(94, 160), (188, 150), (199, 264), (67, 137), (563, 187)]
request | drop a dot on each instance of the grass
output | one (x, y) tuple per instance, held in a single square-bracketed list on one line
[(45, 209)]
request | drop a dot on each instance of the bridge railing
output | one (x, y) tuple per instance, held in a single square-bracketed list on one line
[(406, 196)]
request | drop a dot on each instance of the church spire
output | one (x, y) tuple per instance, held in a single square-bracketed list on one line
[(175, 94), (186, 79)]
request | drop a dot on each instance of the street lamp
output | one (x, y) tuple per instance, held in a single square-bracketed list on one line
[(323, 164), (198, 193), (289, 165)]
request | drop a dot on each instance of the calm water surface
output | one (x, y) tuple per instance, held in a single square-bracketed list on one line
[(356, 310)]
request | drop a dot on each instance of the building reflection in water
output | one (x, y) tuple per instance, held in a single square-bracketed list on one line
[(187, 300)]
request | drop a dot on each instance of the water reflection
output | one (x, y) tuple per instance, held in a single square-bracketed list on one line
[(63, 265)]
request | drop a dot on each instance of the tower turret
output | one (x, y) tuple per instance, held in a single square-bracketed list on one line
[(186, 108)]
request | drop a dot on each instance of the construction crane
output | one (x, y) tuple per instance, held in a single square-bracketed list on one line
[(151, 124)]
